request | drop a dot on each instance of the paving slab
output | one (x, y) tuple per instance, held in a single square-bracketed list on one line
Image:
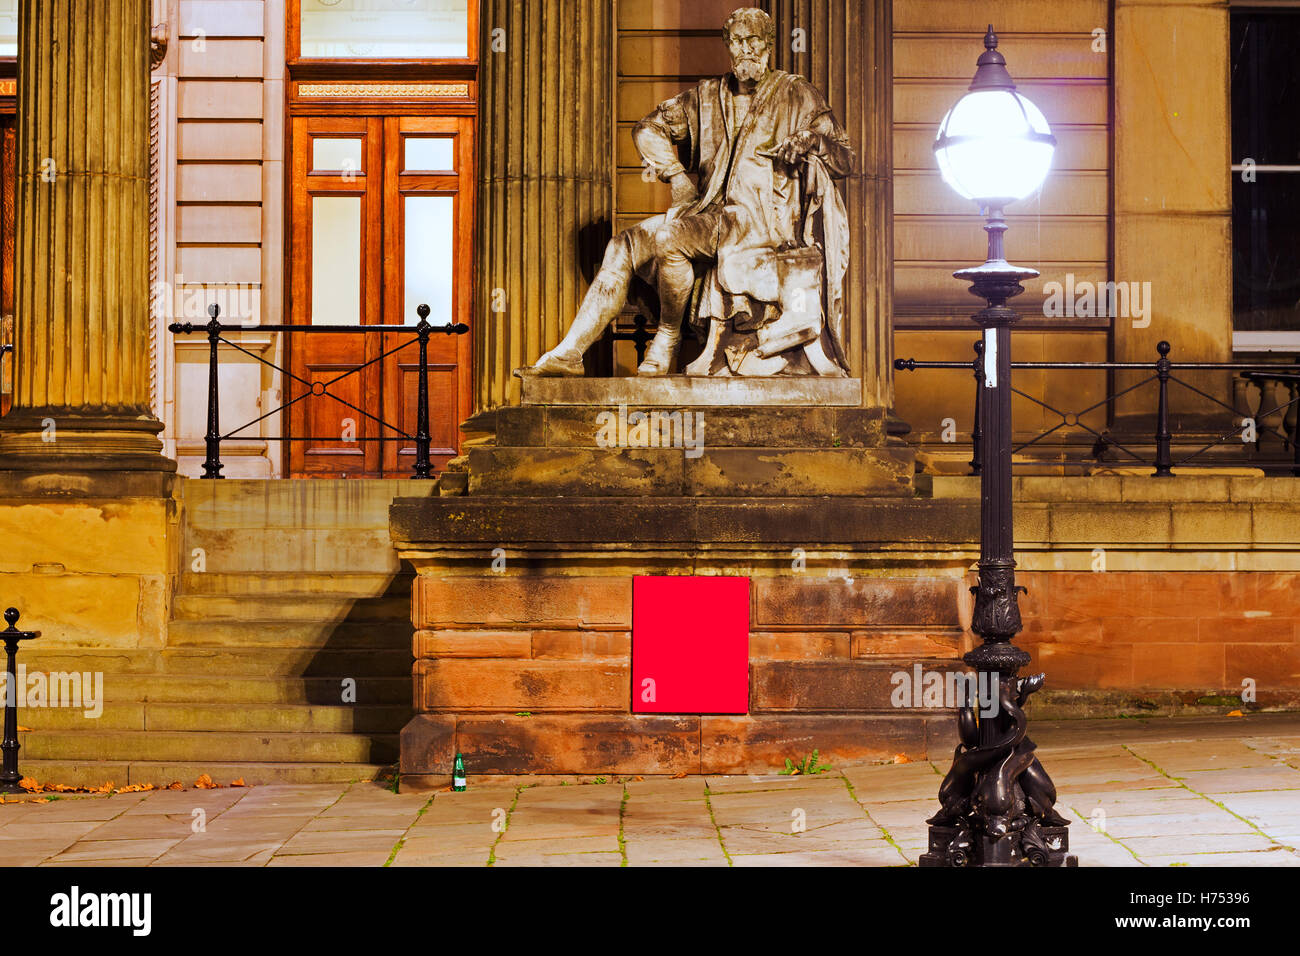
[(341, 841), (87, 851)]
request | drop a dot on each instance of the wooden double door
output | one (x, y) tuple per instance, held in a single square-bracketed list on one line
[(382, 222)]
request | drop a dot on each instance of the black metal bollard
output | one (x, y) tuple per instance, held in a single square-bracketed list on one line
[(422, 464), (212, 439), (1164, 458), (10, 776)]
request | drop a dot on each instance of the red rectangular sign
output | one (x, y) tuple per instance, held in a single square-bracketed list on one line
[(690, 645)]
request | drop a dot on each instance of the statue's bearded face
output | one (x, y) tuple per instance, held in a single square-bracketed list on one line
[(750, 52)]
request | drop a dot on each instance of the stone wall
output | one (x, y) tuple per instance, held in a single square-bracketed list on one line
[(529, 670), (1144, 597)]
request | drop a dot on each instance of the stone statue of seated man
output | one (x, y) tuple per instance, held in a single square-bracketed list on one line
[(755, 257)]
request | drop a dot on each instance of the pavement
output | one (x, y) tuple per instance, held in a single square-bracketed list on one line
[(1160, 792)]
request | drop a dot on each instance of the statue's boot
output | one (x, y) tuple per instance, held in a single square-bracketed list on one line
[(557, 363), (602, 303), (662, 353)]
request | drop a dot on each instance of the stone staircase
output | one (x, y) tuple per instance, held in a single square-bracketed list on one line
[(287, 657)]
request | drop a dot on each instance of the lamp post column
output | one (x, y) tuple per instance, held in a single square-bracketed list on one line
[(997, 801)]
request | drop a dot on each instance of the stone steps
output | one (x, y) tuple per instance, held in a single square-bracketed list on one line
[(252, 717), (86, 773), (288, 590), (200, 747), (124, 688), (323, 585), (231, 660), (305, 608), (306, 635)]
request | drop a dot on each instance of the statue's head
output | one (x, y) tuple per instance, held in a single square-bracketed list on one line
[(751, 36)]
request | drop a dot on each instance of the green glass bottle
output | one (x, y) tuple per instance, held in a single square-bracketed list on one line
[(458, 774)]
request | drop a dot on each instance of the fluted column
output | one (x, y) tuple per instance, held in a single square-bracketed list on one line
[(81, 337), (546, 178), (845, 47)]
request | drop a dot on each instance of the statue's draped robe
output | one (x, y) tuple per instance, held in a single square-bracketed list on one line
[(763, 198)]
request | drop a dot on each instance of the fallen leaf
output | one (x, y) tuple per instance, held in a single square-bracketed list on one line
[(902, 758), (1235, 713), (135, 788), (205, 782)]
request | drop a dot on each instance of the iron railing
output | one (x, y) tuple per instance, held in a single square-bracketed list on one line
[(421, 331), (1162, 373)]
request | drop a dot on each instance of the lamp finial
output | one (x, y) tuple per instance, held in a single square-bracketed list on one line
[(991, 68)]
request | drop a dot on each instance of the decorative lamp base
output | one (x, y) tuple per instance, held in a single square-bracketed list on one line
[(1039, 846)]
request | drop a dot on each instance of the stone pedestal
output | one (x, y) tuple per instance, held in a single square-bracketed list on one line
[(525, 561), (680, 436)]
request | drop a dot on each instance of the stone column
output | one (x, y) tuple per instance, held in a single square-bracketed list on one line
[(546, 178), (81, 343), (845, 47), (1173, 200)]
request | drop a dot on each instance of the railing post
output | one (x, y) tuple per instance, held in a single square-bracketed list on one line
[(10, 776), (1164, 459), (1295, 448), (212, 439), (422, 466), (977, 434)]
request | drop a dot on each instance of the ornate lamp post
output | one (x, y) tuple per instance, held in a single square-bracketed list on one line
[(995, 147)]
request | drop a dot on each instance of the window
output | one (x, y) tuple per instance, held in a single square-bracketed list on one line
[(365, 30), (1266, 178)]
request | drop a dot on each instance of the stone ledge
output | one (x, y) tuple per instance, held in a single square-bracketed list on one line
[(684, 390), (417, 524), (1188, 486)]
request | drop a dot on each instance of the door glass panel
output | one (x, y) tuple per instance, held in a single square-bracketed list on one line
[(8, 27), (429, 263), (335, 260), (371, 29), (429, 153), (332, 155)]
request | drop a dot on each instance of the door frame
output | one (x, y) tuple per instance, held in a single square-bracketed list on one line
[(346, 89)]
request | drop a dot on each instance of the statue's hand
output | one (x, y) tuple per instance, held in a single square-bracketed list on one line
[(684, 191), (797, 147)]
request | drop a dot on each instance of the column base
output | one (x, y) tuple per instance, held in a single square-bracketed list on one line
[(113, 452)]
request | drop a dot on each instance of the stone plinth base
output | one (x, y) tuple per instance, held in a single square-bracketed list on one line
[(651, 450), (652, 744), (524, 631)]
